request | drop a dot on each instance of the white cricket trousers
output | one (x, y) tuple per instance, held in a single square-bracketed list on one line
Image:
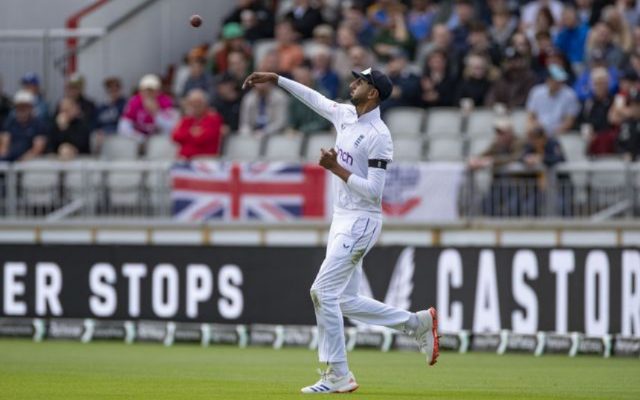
[(335, 290)]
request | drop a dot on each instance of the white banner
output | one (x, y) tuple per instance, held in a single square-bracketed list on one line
[(422, 192)]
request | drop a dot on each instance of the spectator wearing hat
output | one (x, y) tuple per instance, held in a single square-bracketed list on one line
[(504, 149), (70, 131), (515, 83), (304, 17), (301, 118), (31, 83), (540, 152), (583, 86), (149, 112), (109, 113), (406, 84), (572, 36), (5, 105), (593, 119), (199, 131), (23, 136), (232, 40), (553, 105), (629, 118), (257, 19), (74, 89)]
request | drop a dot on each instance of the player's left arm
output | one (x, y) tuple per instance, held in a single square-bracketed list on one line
[(372, 186)]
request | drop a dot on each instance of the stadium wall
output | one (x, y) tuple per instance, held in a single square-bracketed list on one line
[(157, 35)]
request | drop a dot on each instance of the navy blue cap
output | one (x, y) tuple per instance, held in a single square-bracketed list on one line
[(30, 78), (378, 80)]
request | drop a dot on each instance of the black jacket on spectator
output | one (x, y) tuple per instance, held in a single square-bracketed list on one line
[(264, 25), (409, 86), (76, 134), (629, 138), (475, 89), (5, 108), (230, 111), (305, 22), (595, 112)]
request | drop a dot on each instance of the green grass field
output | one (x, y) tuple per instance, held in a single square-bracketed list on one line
[(69, 370)]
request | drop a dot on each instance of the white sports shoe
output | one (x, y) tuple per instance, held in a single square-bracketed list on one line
[(330, 383), (427, 334)]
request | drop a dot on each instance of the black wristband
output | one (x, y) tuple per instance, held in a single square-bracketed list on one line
[(378, 164)]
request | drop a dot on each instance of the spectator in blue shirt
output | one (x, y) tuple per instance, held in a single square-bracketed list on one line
[(23, 135), (583, 86), (572, 37), (109, 113), (327, 78), (420, 19)]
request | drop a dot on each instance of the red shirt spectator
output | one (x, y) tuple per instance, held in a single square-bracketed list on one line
[(199, 132)]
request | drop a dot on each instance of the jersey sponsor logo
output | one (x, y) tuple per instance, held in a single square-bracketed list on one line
[(358, 141), (345, 157)]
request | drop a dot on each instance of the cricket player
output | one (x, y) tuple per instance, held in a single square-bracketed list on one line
[(358, 163)]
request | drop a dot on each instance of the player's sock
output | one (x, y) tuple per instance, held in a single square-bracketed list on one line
[(339, 368), (411, 325)]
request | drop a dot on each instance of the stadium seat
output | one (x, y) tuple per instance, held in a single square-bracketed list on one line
[(40, 183), (478, 145), (160, 148), (519, 118), (124, 188), (405, 149), (443, 123), (573, 146), (480, 123), (405, 122), (117, 147), (242, 147), (317, 141), (283, 147), (445, 149)]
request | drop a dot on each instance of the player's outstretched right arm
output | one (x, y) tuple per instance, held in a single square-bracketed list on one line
[(312, 99)]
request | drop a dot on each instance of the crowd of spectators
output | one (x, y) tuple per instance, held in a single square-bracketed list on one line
[(573, 65)]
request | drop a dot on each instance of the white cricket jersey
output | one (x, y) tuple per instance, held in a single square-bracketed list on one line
[(358, 141)]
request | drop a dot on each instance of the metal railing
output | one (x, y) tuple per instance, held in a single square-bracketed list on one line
[(88, 189), (588, 190)]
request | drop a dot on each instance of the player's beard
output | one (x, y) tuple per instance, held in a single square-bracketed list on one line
[(355, 101)]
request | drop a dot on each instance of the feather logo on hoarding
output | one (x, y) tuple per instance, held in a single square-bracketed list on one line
[(400, 286)]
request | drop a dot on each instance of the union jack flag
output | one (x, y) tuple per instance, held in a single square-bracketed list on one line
[(273, 191)]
